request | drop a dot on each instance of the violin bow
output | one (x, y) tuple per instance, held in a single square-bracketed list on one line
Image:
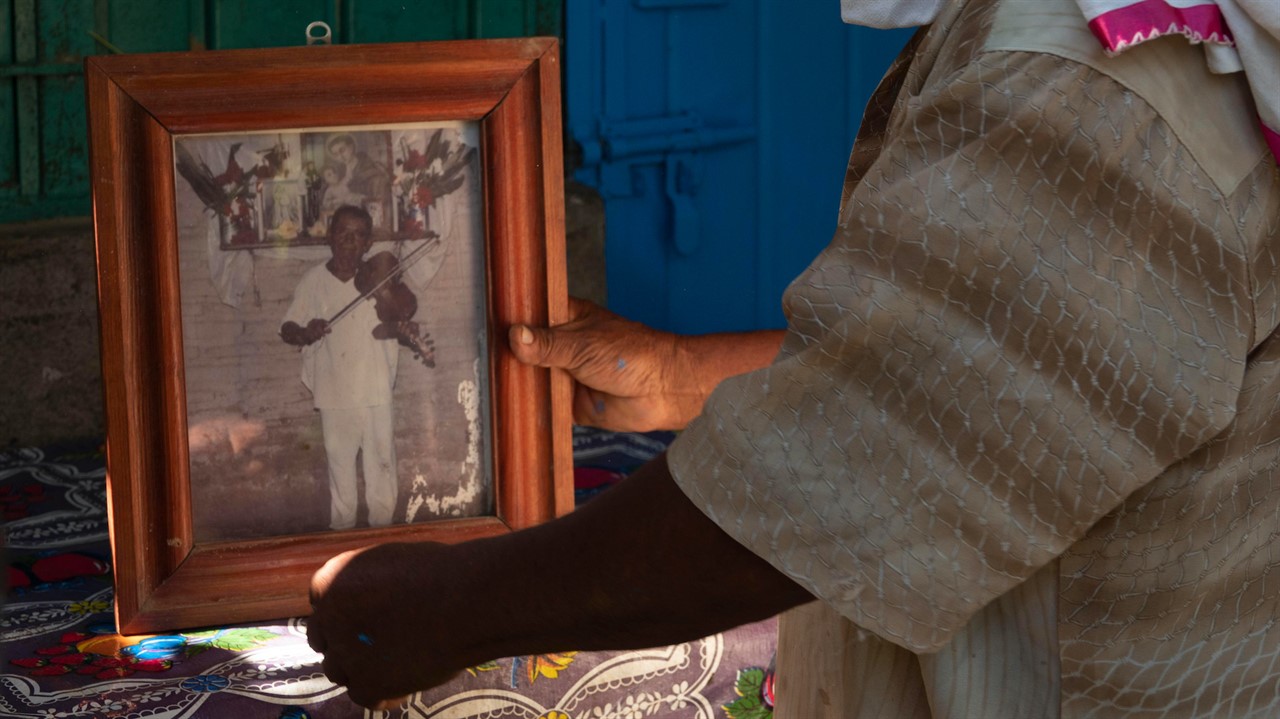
[(401, 265)]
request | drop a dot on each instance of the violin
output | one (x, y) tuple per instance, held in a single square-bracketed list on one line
[(379, 277), (393, 299)]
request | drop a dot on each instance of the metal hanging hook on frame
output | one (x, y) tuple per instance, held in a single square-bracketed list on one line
[(325, 37)]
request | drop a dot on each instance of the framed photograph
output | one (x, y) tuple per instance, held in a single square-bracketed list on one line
[(308, 259)]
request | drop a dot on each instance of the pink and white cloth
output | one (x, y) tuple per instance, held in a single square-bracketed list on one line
[(1238, 35)]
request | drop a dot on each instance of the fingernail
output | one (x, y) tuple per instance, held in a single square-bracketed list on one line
[(526, 336)]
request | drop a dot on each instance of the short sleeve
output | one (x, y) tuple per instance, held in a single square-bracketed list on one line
[(304, 306), (1033, 304)]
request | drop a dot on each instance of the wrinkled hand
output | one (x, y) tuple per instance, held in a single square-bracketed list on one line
[(627, 376), (376, 628)]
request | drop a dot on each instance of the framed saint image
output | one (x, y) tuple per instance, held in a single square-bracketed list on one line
[(308, 261)]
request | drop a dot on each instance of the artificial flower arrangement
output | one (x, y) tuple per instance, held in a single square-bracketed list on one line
[(424, 176), (234, 195)]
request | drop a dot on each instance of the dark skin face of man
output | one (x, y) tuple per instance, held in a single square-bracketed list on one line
[(349, 238)]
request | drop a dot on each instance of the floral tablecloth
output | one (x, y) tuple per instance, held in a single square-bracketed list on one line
[(62, 657)]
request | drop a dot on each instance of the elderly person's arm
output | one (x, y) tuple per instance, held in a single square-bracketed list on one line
[(634, 378), (638, 566)]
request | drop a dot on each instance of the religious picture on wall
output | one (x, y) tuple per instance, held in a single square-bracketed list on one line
[(334, 328)]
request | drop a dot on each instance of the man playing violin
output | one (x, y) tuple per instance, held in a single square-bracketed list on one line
[(350, 368)]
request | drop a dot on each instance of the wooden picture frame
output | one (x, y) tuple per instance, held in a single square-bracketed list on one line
[(166, 576)]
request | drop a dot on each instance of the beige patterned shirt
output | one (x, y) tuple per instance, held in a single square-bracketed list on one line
[(1042, 338)]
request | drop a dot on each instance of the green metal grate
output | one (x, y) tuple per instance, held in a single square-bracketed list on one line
[(43, 43)]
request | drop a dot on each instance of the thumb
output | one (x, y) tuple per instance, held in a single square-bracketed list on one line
[(535, 346), (323, 577)]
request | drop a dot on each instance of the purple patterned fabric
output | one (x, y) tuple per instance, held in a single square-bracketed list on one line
[(62, 658)]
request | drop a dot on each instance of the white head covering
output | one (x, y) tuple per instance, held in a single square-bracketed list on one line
[(1238, 35), (886, 14)]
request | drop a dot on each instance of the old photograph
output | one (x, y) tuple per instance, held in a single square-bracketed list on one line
[(334, 328)]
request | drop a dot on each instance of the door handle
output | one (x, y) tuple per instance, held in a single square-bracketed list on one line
[(682, 191)]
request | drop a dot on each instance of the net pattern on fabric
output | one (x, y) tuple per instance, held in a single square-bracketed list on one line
[(1036, 304)]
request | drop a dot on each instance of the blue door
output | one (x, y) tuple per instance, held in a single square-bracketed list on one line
[(717, 132)]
